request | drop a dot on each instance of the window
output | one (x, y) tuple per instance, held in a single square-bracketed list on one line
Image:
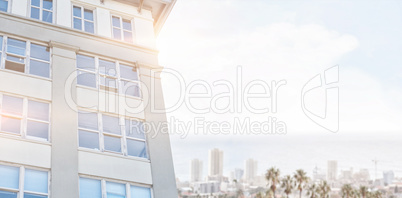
[(92, 188), (115, 190), (83, 19), (3, 5), (111, 76), (25, 57), (42, 10), (27, 118), (104, 132), (136, 145), (35, 182), (137, 191), (122, 29)]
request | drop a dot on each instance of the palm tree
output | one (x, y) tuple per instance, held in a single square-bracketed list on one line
[(377, 194), (272, 176), (355, 193), (240, 193), (324, 189), (301, 180), (346, 191), (288, 185), (363, 190), (312, 191)]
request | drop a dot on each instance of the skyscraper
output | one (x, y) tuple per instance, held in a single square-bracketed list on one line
[(251, 167), (75, 81), (332, 170), (215, 167), (196, 170)]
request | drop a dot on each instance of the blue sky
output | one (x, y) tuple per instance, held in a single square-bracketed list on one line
[(291, 40)]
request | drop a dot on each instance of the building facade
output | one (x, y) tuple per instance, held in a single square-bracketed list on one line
[(215, 157), (77, 94), (196, 170), (332, 170), (251, 167)]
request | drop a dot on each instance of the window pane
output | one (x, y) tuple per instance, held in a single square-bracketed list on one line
[(1, 41), (12, 105), (107, 67), (77, 24), (128, 72), (140, 192), (9, 177), (135, 129), (112, 144), (88, 139), (10, 125), (4, 194), (35, 3), (27, 195), (47, 16), (16, 46), (48, 4), (88, 15), (38, 129), (111, 124), (36, 181), (90, 188), (16, 60), (86, 62), (86, 78), (116, 21), (40, 52), (130, 88), (38, 110), (3, 5), (136, 148), (116, 34), (127, 24), (115, 190), (35, 13), (128, 36), (108, 82), (39, 68), (77, 11), (88, 120), (15, 66), (89, 27)]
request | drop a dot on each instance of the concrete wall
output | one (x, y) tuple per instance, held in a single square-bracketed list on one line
[(164, 183), (64, 127), (26, 152), (115, 167)]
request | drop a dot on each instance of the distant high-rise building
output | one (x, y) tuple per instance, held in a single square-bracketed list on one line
[(251, 167), (196, 170), (332, 170), (215, 167), (388, 177), (238, 174)]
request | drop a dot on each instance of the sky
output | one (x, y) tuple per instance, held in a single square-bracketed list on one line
[(358, 43)]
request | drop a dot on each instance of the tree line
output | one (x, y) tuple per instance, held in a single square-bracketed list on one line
[(301, 183)]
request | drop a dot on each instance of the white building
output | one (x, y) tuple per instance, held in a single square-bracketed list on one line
[(332, 170), (75, 81), (215, 166), (388, 177), (251, 168), (196, 170)]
